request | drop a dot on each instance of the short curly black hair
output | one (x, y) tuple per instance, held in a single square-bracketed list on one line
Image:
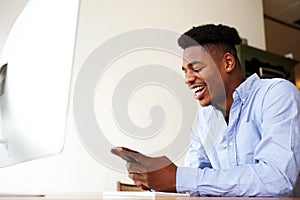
[(212, 37)]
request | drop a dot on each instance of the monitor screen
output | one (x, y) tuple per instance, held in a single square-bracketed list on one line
[(35, 75)]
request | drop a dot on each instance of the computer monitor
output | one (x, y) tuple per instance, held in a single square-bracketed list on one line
[(36, 72)]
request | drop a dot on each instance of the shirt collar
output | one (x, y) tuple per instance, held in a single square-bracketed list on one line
[(243, 90)]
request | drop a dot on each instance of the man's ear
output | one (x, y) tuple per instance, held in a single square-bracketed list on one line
[(230, 62)]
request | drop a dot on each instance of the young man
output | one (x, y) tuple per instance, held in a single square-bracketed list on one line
[(245, 138)]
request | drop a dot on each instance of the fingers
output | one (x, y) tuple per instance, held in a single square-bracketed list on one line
[(127, 149), (129, 155), (138, 179), (138, 173), (145, 187), (119, 151), (138, 157), (135, 168)]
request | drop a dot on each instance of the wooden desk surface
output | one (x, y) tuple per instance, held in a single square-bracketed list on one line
[(100, 197), (144, 198)]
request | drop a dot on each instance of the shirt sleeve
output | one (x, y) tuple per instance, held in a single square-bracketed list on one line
[(276, 164)]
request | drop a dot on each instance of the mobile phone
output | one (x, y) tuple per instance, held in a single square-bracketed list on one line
[(119, 152)]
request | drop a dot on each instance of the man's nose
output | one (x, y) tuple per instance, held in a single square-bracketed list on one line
[(189, 77)]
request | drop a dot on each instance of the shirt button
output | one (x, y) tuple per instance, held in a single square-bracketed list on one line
[(230, 144)]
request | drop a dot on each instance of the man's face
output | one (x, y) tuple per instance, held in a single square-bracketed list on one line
[(203, 76)]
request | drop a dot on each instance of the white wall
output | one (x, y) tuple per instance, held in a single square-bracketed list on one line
[(75, 170), (9, 12)]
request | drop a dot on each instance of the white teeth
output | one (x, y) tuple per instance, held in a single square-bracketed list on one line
[(198, 89)]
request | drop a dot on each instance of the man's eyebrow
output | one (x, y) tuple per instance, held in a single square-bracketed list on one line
[(190, 64), (194, 63)]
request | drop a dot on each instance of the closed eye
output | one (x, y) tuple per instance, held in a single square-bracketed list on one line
[(196, 66), (198, 69)]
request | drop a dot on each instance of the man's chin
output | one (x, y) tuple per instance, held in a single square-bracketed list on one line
[(204, 103)]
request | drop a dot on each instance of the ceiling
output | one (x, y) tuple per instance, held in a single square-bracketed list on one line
[(286, 12)]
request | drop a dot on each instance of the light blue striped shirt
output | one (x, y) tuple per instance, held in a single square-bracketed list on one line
[(256, 154)]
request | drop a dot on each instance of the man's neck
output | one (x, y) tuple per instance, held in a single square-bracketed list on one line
[(229, 97)]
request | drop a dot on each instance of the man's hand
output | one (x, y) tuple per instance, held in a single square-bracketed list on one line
[(157, 173)]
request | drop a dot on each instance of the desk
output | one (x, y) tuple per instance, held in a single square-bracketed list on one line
[(157, 198), (99, 197)]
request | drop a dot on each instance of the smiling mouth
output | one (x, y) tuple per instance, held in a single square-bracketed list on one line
[(199, 91)]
